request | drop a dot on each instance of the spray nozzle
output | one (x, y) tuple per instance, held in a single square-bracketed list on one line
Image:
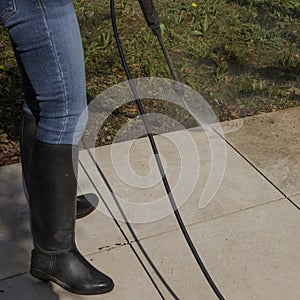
[(178, 87)]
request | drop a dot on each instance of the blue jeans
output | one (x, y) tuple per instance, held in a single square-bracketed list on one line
[(47, 43)]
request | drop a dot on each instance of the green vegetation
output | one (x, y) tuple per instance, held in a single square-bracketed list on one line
[(242, 56)]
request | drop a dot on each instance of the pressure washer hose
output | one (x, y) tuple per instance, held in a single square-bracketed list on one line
[(152, 20)]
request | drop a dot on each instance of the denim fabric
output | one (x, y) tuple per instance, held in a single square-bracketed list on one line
[(48, 48)]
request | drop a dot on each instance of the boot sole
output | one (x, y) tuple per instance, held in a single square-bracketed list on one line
[(84, 214), (46, 277), (93, 201)]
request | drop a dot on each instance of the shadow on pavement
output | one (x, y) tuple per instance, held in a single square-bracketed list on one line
[(16, 241)]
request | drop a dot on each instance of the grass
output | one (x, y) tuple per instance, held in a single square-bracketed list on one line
[(242, 56)]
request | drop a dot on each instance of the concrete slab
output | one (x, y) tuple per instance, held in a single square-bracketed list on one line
[(241, 186), (99, 232), (247, 237), (131, 281), (272, 143), (252, 254)]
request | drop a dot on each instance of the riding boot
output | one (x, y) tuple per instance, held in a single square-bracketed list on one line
[(85, 203), (53, 185)]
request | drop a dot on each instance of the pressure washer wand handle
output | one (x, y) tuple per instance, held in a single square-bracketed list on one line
[(153, 22), (151, 16)]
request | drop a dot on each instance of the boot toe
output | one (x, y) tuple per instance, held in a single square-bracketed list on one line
[(104, 285)]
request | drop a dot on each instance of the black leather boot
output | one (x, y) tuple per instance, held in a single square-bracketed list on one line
[(53, 186), (85, 203)]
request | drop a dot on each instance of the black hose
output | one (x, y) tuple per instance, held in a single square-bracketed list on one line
[(157, 157)]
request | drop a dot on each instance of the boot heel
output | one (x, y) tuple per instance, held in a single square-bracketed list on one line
[(39, 275)]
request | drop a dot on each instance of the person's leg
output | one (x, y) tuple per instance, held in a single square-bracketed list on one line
[(47, 42), (85, 203)]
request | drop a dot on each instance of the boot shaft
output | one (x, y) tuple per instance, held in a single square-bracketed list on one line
[(52, 198)]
